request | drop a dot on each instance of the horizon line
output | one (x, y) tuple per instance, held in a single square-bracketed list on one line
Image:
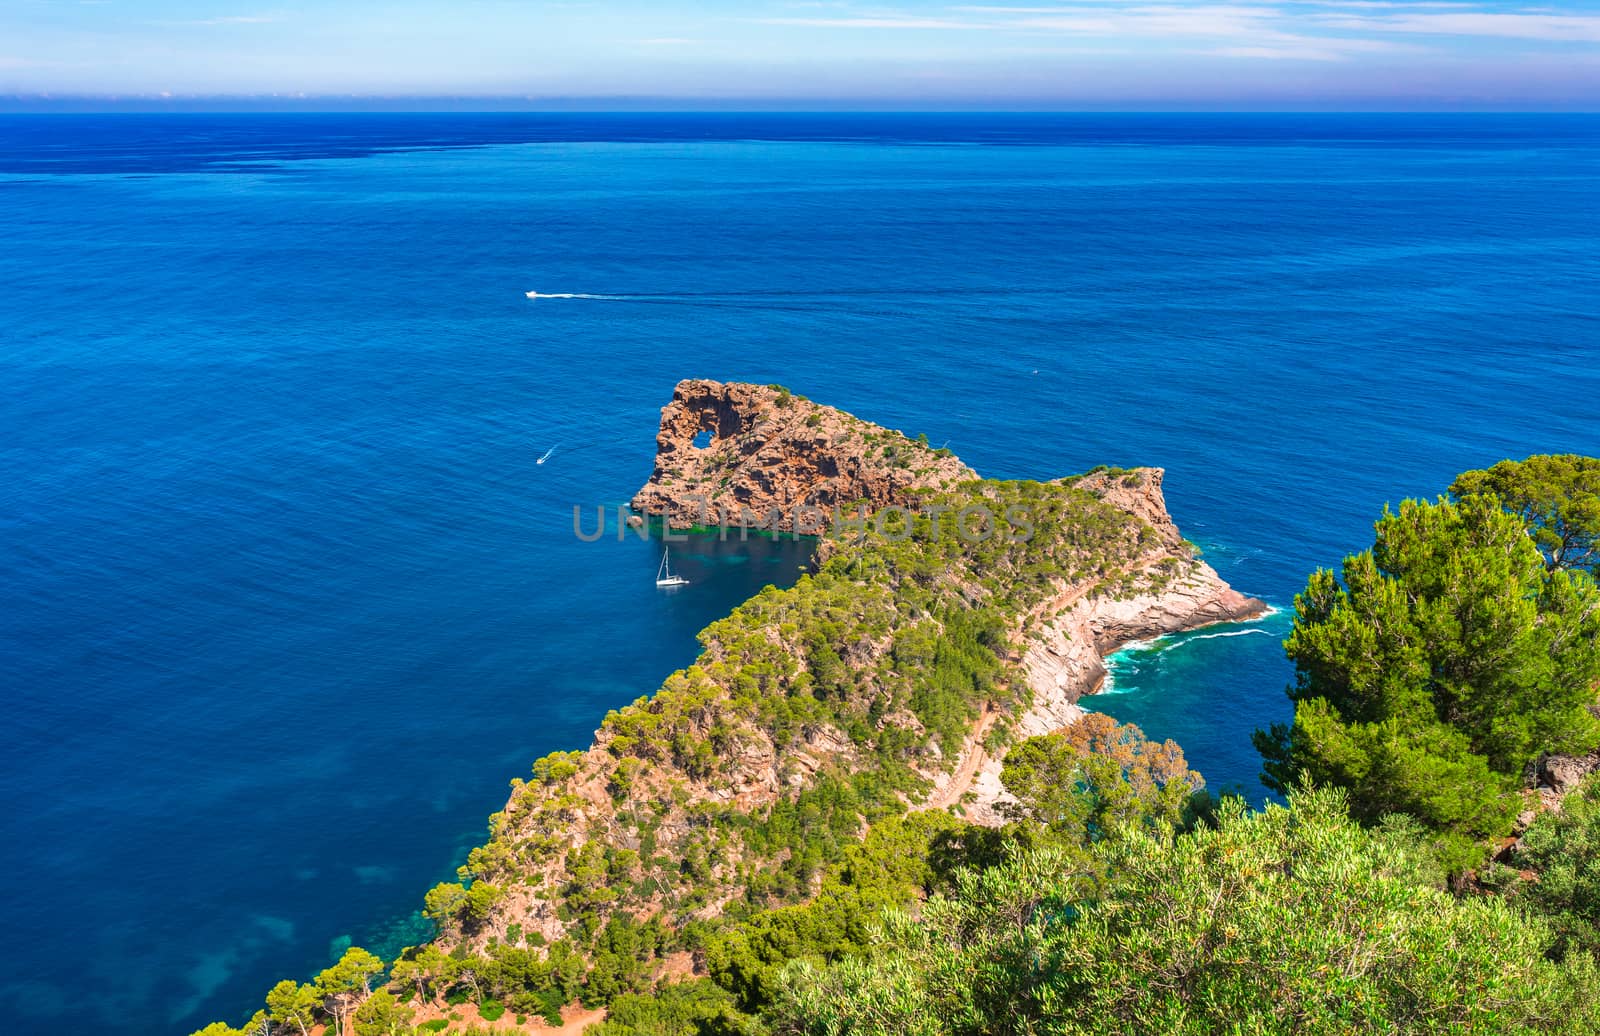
[(513, 104)]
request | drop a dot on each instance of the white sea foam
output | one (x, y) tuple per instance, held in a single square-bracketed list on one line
[(1229, 633), (1173, 641)]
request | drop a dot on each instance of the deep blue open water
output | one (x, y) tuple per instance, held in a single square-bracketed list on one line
[(285, 600)]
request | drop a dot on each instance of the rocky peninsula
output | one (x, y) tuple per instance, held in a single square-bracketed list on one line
[(832, 742), (810, 823), (899, 668)]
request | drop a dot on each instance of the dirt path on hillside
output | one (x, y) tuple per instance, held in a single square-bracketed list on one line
[(967, 772)]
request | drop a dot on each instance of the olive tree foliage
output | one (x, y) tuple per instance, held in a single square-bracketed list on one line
[(1098, 775), (1434, 668), (1294, 919), (1557, 496)]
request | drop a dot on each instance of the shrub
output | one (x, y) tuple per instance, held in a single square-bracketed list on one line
[(1563, 850), (1288, 920)]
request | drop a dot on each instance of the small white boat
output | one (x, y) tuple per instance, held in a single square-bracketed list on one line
[(664, 575), (531, 294), (546, 456)]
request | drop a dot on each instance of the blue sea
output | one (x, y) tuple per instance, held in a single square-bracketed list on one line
[(286, 599)]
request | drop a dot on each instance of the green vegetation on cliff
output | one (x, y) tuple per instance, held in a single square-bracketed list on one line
[(1560, 853), (1288, 920), (1443, 662), (812, 711), (814, 717), (1099, 776)]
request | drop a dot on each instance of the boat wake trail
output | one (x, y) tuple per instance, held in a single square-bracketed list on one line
[(792, 299)]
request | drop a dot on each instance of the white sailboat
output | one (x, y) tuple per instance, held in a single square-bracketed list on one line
[(664, 574)]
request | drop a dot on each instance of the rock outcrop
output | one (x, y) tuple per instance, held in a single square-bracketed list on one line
[(1554, 776), (1079, 630), (1547, 781), (1074, 632), (765, 456)]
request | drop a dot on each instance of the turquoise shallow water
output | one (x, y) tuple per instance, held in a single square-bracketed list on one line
[(285, 600), (1172, 687)]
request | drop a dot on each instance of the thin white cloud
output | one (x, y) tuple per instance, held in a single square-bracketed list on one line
[(871, 22), (1214, 20), (1280, 53), (668, 41), (1239, 31), (1555, 27), (1069, 7), (1075, 7), (1254, 31), (1384, 4)]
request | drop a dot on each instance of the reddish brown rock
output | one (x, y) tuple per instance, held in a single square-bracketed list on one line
[(772, 454)]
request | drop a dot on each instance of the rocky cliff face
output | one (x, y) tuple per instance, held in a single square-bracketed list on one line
[(1179, 593), (1168, 591), (765, 456), (842, 673)]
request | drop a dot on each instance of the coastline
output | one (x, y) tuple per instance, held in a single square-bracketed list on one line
[(1113, 658), (1075, 662), (767, 449), (764, 450)]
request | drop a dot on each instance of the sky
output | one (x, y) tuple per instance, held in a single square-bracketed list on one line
[(1022, 54)]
